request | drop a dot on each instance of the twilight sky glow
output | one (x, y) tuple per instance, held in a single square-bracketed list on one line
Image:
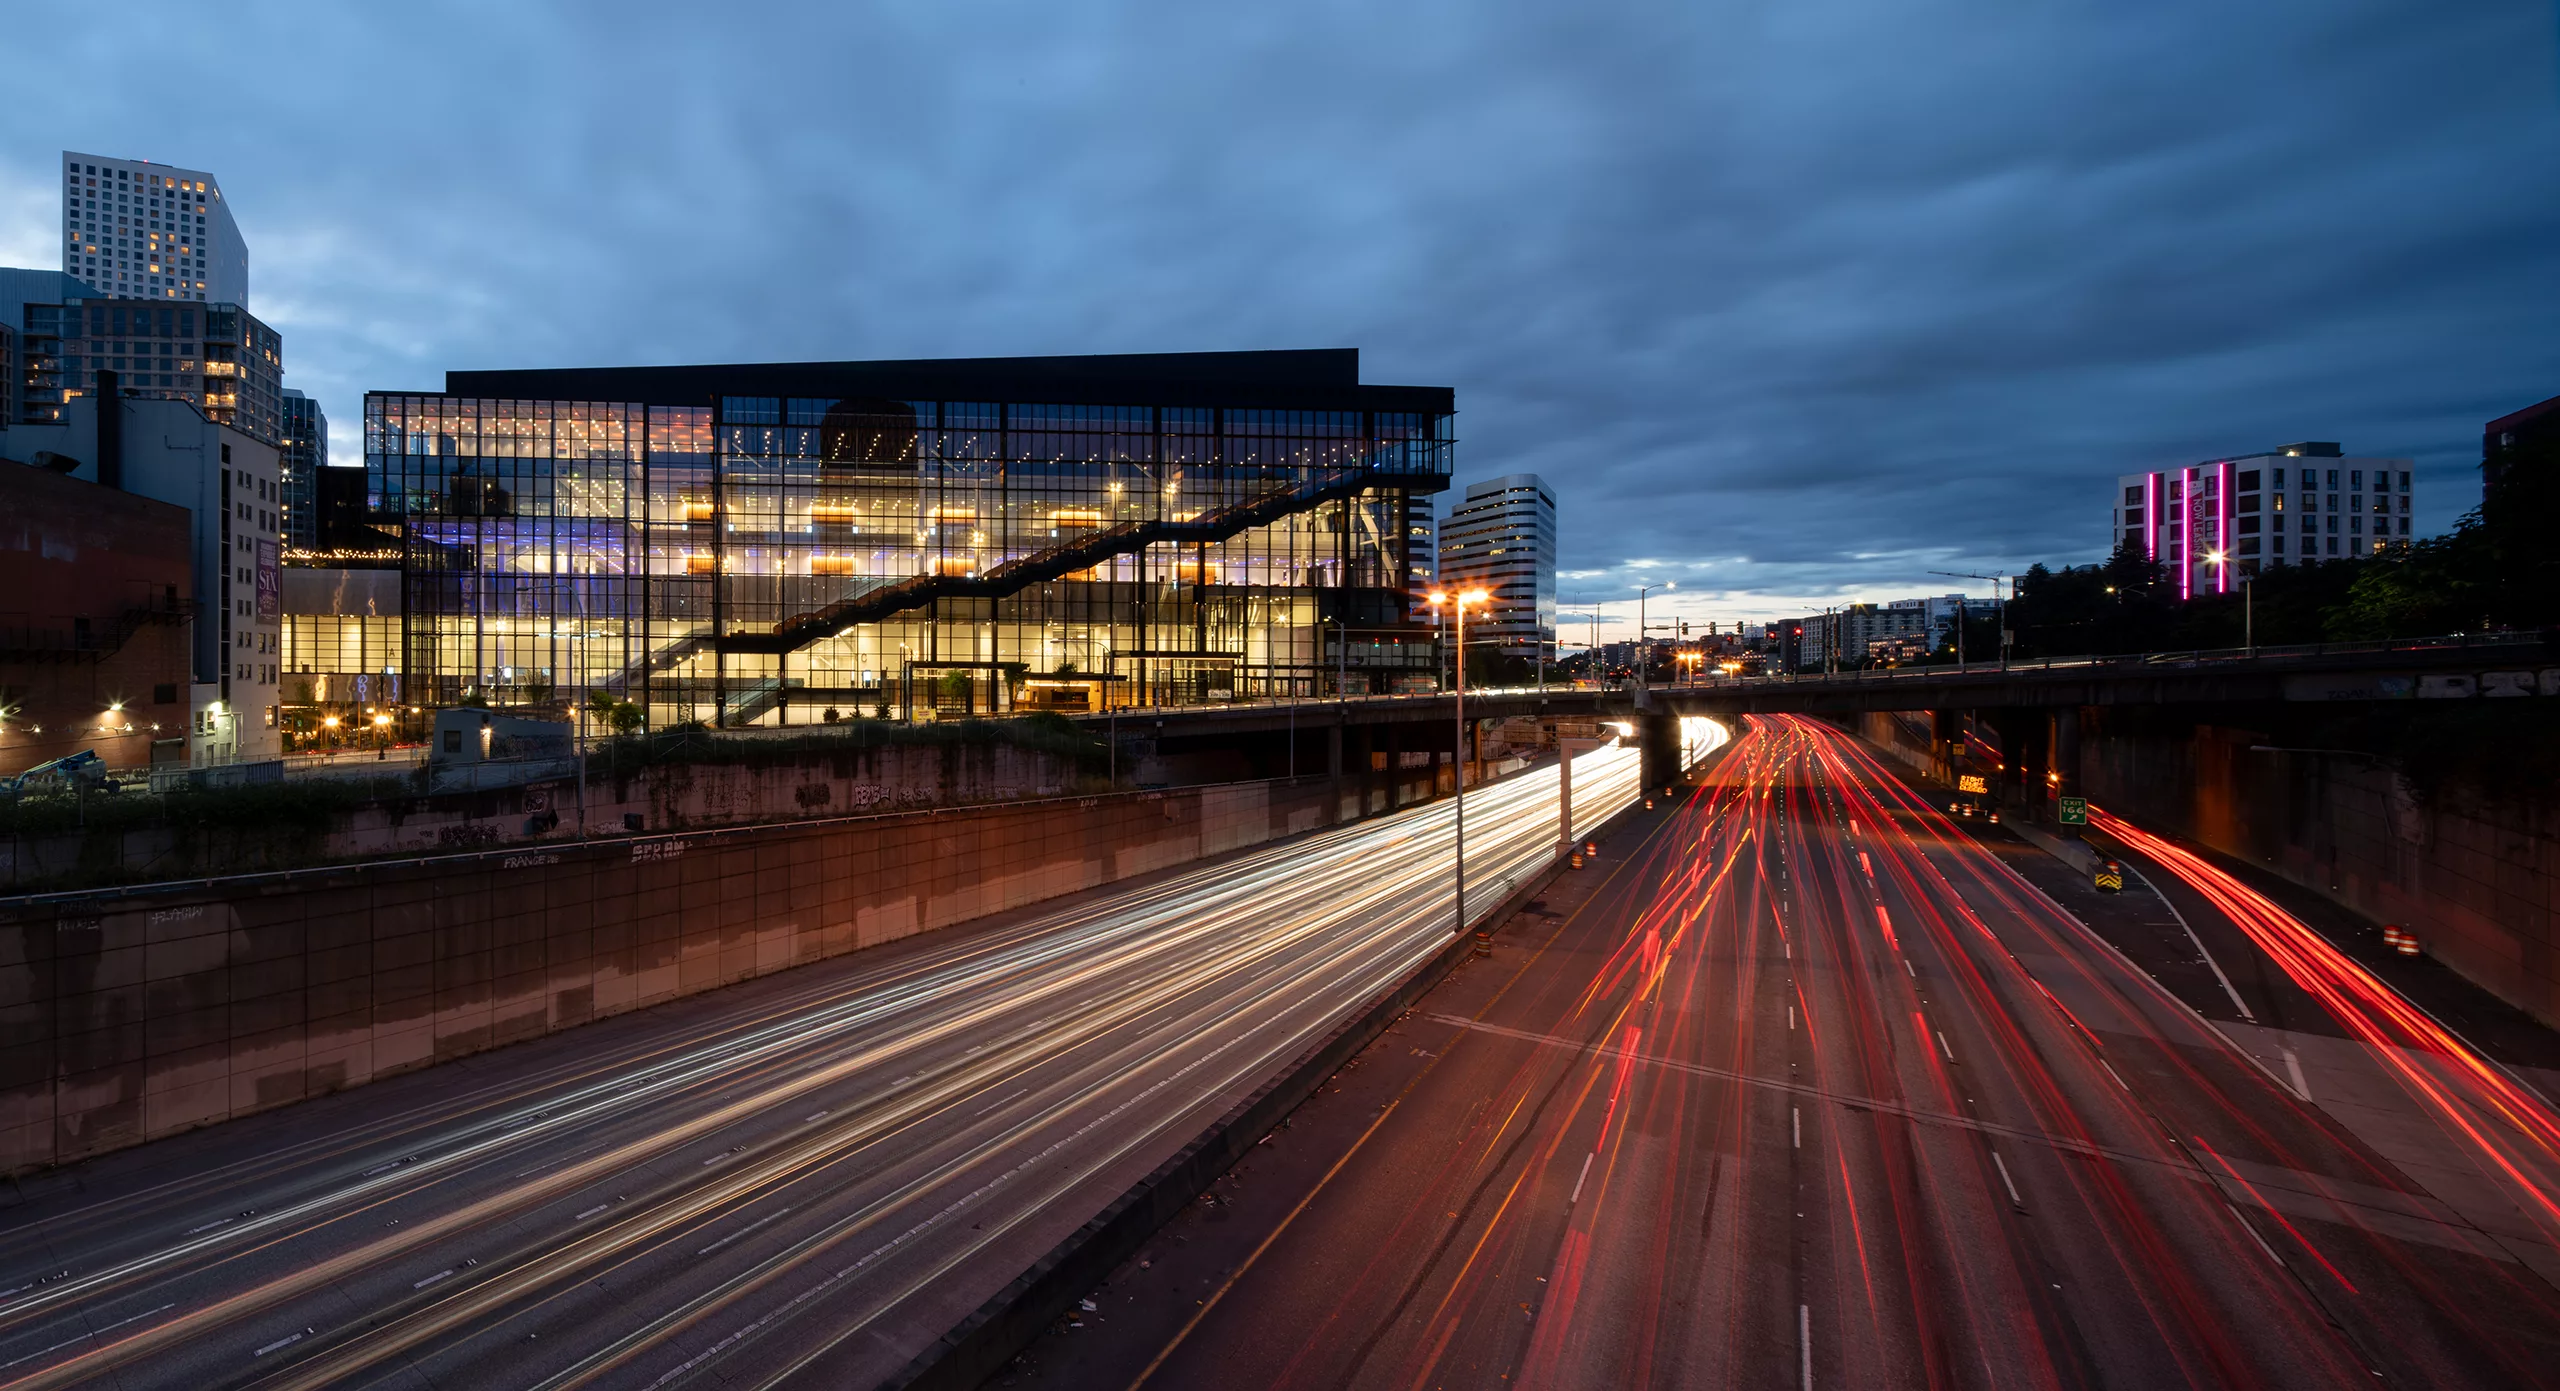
[(1794, 300)]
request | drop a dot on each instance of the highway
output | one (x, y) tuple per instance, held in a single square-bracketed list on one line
[(1816, 1090), (804, 1179)]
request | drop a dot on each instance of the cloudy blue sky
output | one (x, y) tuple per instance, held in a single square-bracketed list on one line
[(1794, 300)]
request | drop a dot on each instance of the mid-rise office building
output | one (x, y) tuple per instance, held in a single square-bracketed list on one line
[(2208, 524), (1502, 538), (759, 544), (214, 357), (2529, 434), (302, 449), (145, 231)]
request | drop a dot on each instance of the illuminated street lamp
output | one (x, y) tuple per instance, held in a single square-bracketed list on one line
[(2248, 602), (1459, 603)]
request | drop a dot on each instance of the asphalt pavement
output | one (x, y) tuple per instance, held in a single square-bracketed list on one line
[(805, 1180), (1801, 1085)]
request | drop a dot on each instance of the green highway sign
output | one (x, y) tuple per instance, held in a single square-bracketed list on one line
[(2075, 811)]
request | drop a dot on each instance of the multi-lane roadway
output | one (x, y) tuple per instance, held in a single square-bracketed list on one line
[(1816, 1090), (811, 1178)]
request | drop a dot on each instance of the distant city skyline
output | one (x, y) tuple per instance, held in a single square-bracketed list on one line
[(1791, 314)]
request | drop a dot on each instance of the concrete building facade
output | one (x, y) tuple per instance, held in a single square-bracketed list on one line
[(2209, 524)]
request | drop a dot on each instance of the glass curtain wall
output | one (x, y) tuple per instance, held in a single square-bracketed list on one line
[(558, 549)]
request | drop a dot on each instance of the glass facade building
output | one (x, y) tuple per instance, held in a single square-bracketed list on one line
[(302, 450), (757, 545)]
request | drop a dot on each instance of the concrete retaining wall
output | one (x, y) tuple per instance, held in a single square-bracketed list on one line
[(2479, 883), (131, 1014), (666, 797)]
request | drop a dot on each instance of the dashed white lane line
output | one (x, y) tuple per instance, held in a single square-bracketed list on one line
[(742, 1231), (2253, 1234), (2293, 1069), (84, 1337), (1795, 1122), (1582, 1178), (2008, 1182), (1942, 1046), (445, 1274), (1804, 1344), (2111, 1072)]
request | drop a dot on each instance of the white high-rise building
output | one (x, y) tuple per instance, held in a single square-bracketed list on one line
[(1503, 538), (1422, 552), (2209, 524), (139, 230)]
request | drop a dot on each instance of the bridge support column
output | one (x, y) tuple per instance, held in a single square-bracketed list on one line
[(2033, 742), (2066, 758), (1393, 737), (1660, 735), (2011, 723), (1946, 733)]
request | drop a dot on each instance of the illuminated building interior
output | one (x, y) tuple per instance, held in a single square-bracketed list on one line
[(762, 545)]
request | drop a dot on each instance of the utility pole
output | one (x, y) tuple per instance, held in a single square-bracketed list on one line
[(2001, 607), (1644, 681)]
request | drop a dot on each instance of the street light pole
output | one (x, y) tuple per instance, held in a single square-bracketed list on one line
[(1644, 684), (1458, 755)]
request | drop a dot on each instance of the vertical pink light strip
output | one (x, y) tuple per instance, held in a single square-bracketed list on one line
[(2223, 504), (2186, 535), (2151, 517)]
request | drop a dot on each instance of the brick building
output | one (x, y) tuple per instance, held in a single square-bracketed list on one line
[(96, 598)]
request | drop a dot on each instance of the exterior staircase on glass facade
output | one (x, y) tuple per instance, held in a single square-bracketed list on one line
[(1068, 557)]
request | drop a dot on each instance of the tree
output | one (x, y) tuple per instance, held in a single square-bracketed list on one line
[(623, 717)]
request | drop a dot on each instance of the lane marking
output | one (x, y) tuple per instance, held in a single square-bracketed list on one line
[(2236, 1002), (1026, 1091), (590, 1212), (286, 1341), (1791, 1018), (1849, 1099), (1942, 1046), (119, 1323), (1795, 1121), (1581, 1178), (742, 1231), (439, 1275), (2008, 1182), (2253, 1234), (2293, 1067), (2111, 1072), (1906, 965), (1804, 1344)]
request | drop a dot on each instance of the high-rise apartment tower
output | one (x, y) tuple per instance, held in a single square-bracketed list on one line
[(139, 230), (1503, 539)]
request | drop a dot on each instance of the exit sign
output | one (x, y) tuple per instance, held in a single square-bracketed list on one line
[(2075, 811)]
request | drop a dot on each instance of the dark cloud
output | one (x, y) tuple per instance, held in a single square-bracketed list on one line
[(1793, 299)]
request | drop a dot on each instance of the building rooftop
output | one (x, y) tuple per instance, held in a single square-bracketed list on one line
[(1292, 379)]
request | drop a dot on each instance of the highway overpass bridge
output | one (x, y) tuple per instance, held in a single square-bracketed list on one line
[(1356, 733)]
